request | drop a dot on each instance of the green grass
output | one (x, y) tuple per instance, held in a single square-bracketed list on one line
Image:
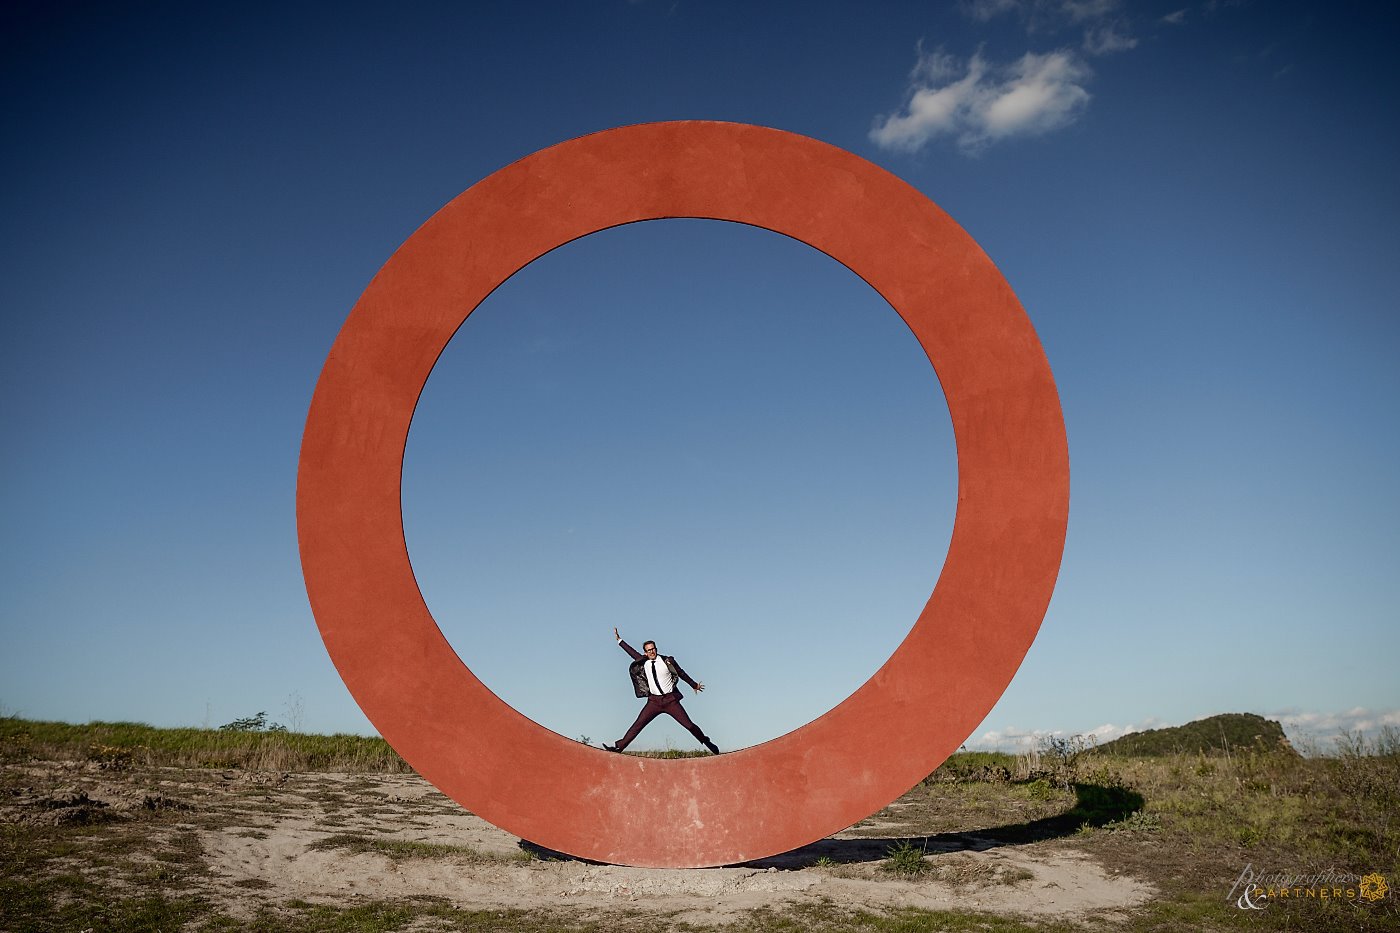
[(1342, 809), (828, 917), (990, 767), (41, 890), (123, 745), (404, 849), (430, 914)]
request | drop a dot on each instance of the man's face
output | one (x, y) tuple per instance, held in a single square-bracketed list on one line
[(650, 649)]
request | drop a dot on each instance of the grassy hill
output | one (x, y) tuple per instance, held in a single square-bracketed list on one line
[(1228, 732)]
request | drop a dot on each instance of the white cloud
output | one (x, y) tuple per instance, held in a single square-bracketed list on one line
[(1012, 739), (1044, 92), (1175, 18), (1106, 37), (1311, 728), (1108, 731), (977, 104)]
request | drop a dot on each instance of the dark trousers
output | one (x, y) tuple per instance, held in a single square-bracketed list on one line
[(670, 704)]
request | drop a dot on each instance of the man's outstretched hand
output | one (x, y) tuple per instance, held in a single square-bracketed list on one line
[(615, 635), (699, 687)]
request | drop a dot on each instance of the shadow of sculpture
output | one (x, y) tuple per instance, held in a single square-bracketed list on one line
[(1095, 805), (545, 854)]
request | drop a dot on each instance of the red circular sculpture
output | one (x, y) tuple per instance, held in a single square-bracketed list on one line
[(1008, 536)]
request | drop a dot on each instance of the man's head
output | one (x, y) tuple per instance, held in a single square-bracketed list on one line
[(649, 648)]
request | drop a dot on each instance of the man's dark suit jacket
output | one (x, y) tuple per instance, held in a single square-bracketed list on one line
[(639, 676)]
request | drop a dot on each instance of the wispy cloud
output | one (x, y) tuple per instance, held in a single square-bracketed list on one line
[(1175, 18), (1038, 15), (1108, 37), (984, 10), (1105, 29), (976, 103), (1081, 10)]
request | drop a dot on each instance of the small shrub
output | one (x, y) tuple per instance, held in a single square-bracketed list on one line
[(1063, 757), (1136, 822), (110, 757), (255, 723), (906, 859)]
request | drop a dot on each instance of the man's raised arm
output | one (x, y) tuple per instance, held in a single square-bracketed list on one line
[(633, 652)]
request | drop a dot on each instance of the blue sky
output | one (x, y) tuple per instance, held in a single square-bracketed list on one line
[(703, 433)]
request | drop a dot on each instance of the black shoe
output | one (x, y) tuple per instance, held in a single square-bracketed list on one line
[(714, 749), (611, 748)]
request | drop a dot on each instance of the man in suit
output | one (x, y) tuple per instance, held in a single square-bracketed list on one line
[(655, 676)]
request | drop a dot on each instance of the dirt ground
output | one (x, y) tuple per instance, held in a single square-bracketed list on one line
[(255, 838)]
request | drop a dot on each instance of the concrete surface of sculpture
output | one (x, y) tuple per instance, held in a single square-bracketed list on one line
[(984, 612)]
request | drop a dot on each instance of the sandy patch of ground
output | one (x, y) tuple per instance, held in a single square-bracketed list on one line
[(276, 849)]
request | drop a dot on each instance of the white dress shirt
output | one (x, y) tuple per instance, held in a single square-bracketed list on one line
[(659, 679)]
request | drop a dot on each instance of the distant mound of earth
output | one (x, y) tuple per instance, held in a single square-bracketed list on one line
[(1214, 735)]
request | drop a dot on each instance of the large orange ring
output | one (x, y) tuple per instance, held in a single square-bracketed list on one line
[(1008, 537)]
